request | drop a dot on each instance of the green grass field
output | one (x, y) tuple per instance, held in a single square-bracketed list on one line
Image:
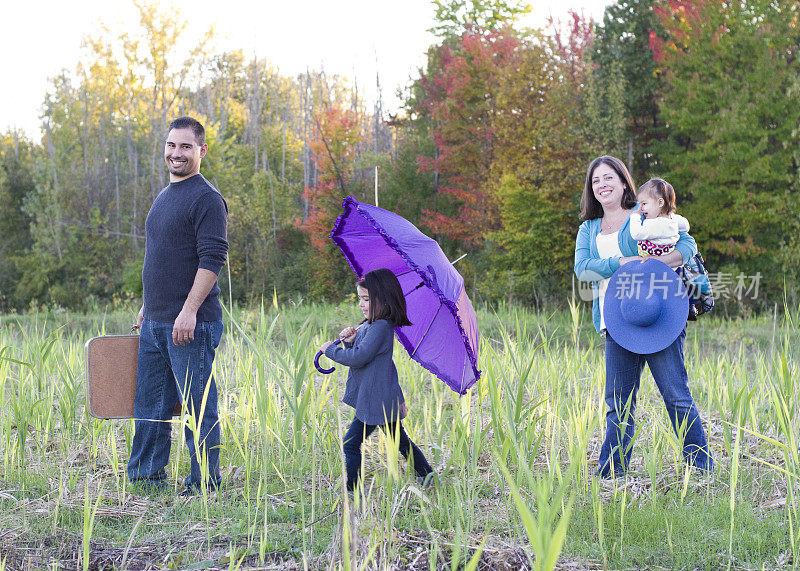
[(513, 457)]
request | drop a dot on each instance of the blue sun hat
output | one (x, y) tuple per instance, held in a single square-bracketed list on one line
[(645, 306)]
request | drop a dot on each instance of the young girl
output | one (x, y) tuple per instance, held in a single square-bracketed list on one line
[(655, 226), (372, 386)]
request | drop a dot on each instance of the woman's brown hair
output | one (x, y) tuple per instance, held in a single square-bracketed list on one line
[(590, 207)]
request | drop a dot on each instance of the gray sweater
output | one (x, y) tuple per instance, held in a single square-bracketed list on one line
[(372, 385), (186, 229)]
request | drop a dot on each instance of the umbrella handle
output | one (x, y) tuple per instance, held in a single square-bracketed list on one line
[(316, 361)]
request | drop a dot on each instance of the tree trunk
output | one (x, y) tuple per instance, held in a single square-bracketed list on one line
[(51, 149)]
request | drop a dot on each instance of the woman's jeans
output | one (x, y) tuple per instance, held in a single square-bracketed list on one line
[(358, 432), (168, 374), (623, 375)]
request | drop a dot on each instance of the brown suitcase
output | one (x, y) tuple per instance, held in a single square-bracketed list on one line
[(111, 376)]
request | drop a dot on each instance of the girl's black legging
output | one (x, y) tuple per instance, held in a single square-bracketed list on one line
[(358, 432)]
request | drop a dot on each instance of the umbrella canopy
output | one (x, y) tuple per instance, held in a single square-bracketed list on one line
[(443, 336)]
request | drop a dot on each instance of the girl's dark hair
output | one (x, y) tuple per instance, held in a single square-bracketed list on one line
[(590, 207), (386, 300), (659, 188)]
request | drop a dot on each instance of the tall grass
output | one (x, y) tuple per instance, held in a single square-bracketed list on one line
[(513, 457)]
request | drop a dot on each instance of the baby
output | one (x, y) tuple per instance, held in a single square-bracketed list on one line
[(655, 225)]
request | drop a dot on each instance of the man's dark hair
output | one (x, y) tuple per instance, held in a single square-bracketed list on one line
[(196, 126), (386, 300)]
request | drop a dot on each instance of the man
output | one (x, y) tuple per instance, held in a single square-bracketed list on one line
[(181, 317)]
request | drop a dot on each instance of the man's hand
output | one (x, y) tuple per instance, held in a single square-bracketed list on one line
[(183, 330), (325, 345), (140, 318)]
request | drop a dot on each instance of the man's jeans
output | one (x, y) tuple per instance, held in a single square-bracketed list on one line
[(623, 374), (359, 431), (168, 374)]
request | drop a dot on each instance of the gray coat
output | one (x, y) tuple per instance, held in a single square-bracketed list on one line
[(372, 385)]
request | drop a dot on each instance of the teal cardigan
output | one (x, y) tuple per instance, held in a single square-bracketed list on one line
[(590, 267)]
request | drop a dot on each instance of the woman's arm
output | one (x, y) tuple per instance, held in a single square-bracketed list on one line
[(374, 340), (591, 269), (674, 259), (684, 249)]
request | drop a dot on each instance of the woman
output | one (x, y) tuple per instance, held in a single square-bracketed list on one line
[(603, 244)]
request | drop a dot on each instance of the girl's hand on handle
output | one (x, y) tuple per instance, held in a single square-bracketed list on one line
[(325, 345), (348, 334)]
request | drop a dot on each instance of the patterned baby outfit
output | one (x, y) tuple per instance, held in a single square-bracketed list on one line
[(657, 236)]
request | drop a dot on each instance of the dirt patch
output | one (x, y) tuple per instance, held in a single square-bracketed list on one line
[(67, 553)]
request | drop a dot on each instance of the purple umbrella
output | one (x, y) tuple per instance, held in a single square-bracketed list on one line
[(443, 336)]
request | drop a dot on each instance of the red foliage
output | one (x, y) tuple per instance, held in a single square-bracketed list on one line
[(334, 142), (682, 21), (572, 41), (458, 97), (320, 220), (731, 247), (333, 145)]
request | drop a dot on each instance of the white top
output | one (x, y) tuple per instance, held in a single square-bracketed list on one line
[(661, 231), (607, 247)]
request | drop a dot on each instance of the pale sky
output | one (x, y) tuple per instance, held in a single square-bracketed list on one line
[(348, 37)]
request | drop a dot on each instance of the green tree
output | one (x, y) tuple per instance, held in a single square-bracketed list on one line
[(607, 123), (17, 157), (732, 107), (102, 165), (625, 78), (404, 188)]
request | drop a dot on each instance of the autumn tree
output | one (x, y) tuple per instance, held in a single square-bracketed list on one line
[(458, 99), (333, 146), (539, 162), (102, 163)]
